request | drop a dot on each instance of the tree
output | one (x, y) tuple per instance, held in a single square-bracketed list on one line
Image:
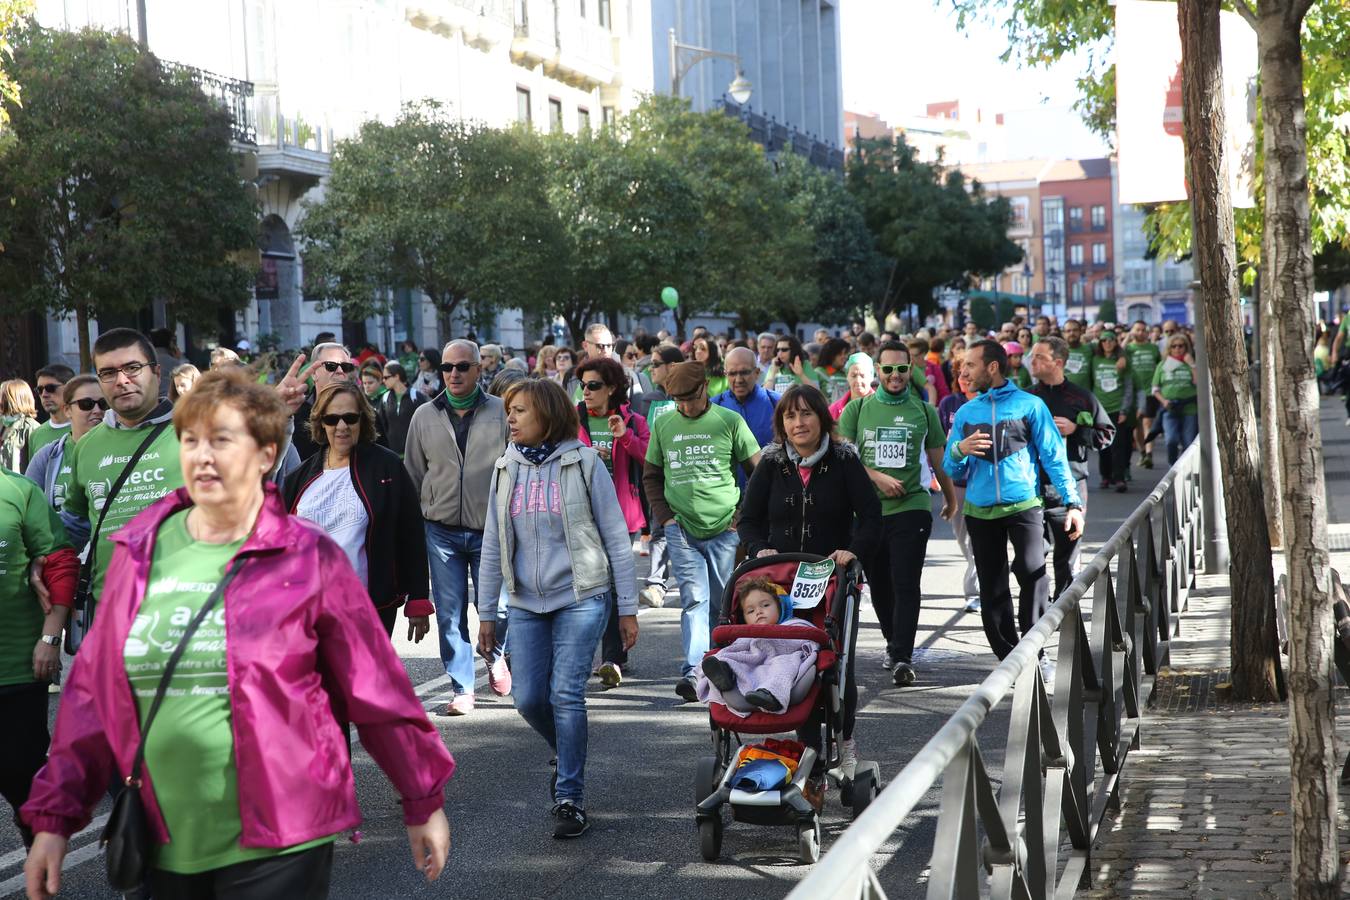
[(12, 12), (454, 210), (932, 226), (122, 186), (982, 313), (1106, 312)]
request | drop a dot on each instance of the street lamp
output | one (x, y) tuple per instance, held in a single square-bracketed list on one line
[(740, 86)]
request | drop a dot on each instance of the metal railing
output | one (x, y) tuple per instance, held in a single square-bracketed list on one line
[(234, 94), (1065, 754)]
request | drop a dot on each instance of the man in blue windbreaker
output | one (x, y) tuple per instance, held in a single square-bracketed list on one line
[(998, 443)]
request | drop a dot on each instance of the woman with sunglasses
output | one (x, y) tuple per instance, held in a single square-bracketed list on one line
[(1174, 386), (360, 494), (620, 437), (790, 366), (84, 405)]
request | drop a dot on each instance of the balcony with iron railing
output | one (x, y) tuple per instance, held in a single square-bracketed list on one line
[(235, 95), (776, 137)]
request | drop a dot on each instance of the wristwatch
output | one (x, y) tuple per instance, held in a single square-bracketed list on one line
[(52, 640)]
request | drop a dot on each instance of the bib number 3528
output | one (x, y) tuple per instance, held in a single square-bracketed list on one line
[(809, 586)]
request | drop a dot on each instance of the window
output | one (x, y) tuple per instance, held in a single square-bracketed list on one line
[(1075, 218), (1077, 290), (554, 114), (1138, 278), (1021, 212), (1052, 213), (1101, 290), (1076, 254), (583, 119), (523, 105), (1099, 254), (606, 115), (602, 8), (1098, 217)]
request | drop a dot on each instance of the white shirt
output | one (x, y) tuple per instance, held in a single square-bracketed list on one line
[(331, 502)]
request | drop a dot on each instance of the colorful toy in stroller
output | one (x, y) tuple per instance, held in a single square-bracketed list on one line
[(828, 600)]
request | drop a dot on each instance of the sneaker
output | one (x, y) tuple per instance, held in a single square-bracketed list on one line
[(499, 677), (571, 820), (1106, 484), (460, 705), (973, 605), (1121, 487), (611, 676), (848, 758), (903, 674), (1146, 461), (687, 688), (886, 662), (652, 596)]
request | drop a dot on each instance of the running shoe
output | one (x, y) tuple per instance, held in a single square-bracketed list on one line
[(886, 662), (652, 596), (571, 820), (687, 688), (610, 674), (499, 677), (903, 674), (973, 605), (461, 705)]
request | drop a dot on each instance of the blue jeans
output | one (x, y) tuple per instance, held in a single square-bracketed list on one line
[(1180, 429), (702, 569), (453, 556), (550, 663)]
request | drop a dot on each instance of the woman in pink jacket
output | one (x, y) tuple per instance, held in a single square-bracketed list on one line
[(246, 777), (620, 436)]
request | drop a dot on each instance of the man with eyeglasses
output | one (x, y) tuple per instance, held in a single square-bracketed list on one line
[(124, 362), (651, 406), (599, 344), (745, 397), (692, 493), (452, 448), (50, 380), (893, 428)]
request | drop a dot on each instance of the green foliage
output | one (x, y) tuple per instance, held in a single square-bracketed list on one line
[(12, 12), (981, 312), (120, 186), (1006, 309), (932, 226), (455, 210), (1106, 312)]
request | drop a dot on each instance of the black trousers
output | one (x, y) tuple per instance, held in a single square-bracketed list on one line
[(1114, 461), (1065, 550), (611, 643), (894, 573), (294, 876), (23, 751), (989, 540), (388, 617)]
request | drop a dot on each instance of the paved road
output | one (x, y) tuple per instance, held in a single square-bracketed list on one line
[(642, 746)]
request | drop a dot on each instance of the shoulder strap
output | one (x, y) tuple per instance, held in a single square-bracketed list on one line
[(87, 569), (134, 780)]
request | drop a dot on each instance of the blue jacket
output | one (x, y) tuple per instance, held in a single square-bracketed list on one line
[(757, 411), (1025, 437)]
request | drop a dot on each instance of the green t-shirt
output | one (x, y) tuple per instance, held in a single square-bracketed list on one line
[(1144, 358), (190, 749), (1078, 367), (45, 434), (891, 438), (698, 456), (1021, 377), (61, 484), (96, 462), (716, 385), (28, 528), (1173, 379), (601, 436), (779, 380), (1109, 383)]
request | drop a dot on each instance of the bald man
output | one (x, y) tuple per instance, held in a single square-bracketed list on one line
[(746, 397)]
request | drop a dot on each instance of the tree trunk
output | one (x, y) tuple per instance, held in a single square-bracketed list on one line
[(1288, 242), (82, 326), (1268, 344), (1254, 645)]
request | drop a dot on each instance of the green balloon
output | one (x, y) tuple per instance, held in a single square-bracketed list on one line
[(670, 297)]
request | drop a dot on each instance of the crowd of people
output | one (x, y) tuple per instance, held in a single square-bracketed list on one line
[(350, 487)]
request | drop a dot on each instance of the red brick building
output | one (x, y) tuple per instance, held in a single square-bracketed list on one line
[(1076, 212)]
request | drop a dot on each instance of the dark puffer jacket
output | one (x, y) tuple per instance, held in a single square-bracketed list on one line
[(838, 510)]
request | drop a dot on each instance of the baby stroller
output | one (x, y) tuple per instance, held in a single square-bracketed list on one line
[(830, 603)]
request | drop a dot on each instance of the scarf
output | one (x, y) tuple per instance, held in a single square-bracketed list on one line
[(807, 462), (537, 455), (468, 402), (890, 399)]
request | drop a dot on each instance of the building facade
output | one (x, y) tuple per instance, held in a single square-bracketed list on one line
[(306, 74), (1077, 209), (1150, 288)]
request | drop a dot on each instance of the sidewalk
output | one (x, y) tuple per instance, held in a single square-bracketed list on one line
[(1205, 808)]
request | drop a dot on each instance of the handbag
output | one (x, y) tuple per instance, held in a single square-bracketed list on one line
[(125, 838), (82, 608)]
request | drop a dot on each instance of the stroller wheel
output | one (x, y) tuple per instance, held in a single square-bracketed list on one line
[(710, 838), (808, 840), (864, 791), (705, 778)]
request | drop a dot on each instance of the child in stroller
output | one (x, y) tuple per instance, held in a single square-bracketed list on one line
[(752, 673)]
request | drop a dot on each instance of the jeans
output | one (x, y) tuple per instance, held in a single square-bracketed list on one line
[(989, 539), (702, 569), (894, 573), (453, 556), (291, 876), (23, 709), (550, 663), (1181, 429), (660, 559)]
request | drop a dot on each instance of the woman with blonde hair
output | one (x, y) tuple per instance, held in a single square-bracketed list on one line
[(544, 365), (181, 381), (18, 420)]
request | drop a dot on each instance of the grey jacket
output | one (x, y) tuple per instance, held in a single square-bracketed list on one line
[(555, 534), (453, 487)]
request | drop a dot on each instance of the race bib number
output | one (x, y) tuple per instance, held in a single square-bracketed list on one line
[(1074, 364), (659, 409), (891, 448), (1108, 381), (782, 383), (809, 586)]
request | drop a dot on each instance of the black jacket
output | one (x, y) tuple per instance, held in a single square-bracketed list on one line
[(392, 417), (1096, 429), (396, 553), (838, 511), (300, 439)]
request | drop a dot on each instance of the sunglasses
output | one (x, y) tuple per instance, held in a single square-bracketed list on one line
[(593, 385), (783, 349), (347, 368), (49, 388), (88, 403), (897, 369), (332, 419), (447, 368)]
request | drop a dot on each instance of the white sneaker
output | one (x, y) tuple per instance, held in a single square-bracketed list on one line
[(653, 596), (848, 758)]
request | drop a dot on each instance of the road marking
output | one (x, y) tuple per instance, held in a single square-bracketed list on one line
[(73, 859)]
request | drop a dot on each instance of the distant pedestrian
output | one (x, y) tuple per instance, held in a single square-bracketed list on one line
[(50, 381), (1113, 386), (1174, 386), (18, 423), (394, 412)]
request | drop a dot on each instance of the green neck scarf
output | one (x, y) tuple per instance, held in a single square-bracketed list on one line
[(890, 399), (468, 402)]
